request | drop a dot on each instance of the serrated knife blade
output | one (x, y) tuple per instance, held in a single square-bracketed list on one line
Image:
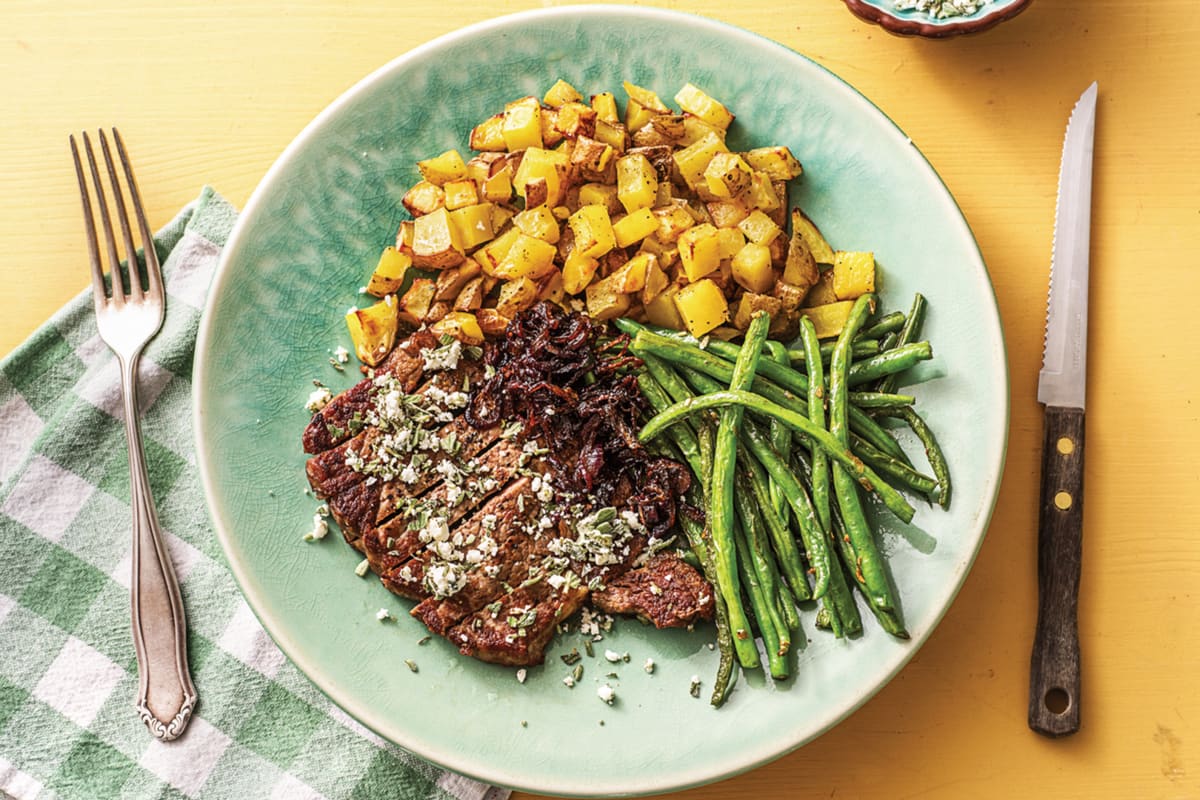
[(1054, 680)]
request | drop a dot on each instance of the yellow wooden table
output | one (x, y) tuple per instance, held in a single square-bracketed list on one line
[(211, 92)]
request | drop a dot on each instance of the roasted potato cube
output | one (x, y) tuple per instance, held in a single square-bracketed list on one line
[(695, 129), (548, 165), (777, 161), (551, 135), (600, 194), (423, 198), (762, 194), (437, 311), (817, 245), (578, 271), (726, 213), (538, 222), (516, 296), (789, 295), (656, 280), (673, 220), (643, 104), (751, 303), (522, 126), (752, 268), (612, 134), (491, 254), (415, 303), (637, 182), (822, 291), (728, 176), (404, 237), (785, 326), (527, 258), (389, 273), (488, 135), (450, 282), (471, 296), (759, 228), (474, 224), (605, 106), (436, 242), (460, 193), (696, 102), (497, 187), (732, 241), (561, 93), (491, 322), (830, 318), (373, 330), (551, 288), (634, 227), (593, 231), (631, 277), (461, 325), (800, 268), (574, 120), (693, 159), (662, 311), (853, 274), (701, 306), (439, 170), (699, 250), (480, 168), (591, 159), (604, 301)]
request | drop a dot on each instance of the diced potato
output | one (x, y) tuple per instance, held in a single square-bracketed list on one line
[(551, 288), (527, 258), (605, 105), (853, 274), (373, 330), (637, 182), (759, 228), (522, 126), (416, 302), (634, 227), (439, 170), (600, 194), (490, 255), (695, 129), (471, 296), (696, 102), (436, 242), (612, 134), (500, 216), (631, 277), (578, 271), (777, 161), (822, 291), (762, 194), (726, 213), (752, 268), (461, 325), (662, 311), (637, 116), (437, 311), (561, 93), (404, 237), (450, 282), (389, 273), (591, 158), (673, 220), (750, 304), (548, 165), (693, 159), (656, 281), (701, 306), (593, 230), (538, 222), (817, 245), (643, 104), (728, 176), (516, 296), (604, 301), (789, 295), (732, 241), (480, 168), (497, 187), (830, 318), (785, 326), (491, 322), (699, 250), (488, 135), (551, 135), (800, 268), (474, 224), (423, 198), (461, 193)]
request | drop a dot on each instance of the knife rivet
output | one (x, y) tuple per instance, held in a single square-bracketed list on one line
[(1063, 500), (1065, 446)]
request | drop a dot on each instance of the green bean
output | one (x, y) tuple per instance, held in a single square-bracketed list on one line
[(909, 333), (838, 602), (816, 413), (781, 437), (682, 435), (762, 560), (781, 537), (892, 468), (868, 562), (888, 617), (863, 348), (886, 324), (725, 672), (889, 362), (873, 400), (761, 607), (933, 451)]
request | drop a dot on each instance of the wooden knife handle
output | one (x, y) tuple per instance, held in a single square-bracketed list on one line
[(1054, 669)]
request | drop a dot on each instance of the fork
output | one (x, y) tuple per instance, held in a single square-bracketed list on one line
[(127, 320)]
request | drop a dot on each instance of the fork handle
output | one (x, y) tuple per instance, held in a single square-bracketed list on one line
[(166, 695)]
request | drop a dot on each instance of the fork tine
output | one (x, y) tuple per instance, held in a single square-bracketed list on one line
[(135, 278), (99, 294), (153, 269), (118, 289)]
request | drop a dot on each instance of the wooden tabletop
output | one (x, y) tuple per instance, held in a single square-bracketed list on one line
[(211, 92)]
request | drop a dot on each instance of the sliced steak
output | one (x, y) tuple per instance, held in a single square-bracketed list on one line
[(666, 591), (517, 631), (353, 500)]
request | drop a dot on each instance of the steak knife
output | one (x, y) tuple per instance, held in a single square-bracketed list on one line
[(1054, 668)]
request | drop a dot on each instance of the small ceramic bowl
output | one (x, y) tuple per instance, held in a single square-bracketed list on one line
[(921, 23)]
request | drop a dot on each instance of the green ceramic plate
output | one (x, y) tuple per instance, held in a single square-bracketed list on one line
[(306, 242)]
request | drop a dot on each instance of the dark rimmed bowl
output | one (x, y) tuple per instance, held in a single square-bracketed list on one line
[(919, 23)]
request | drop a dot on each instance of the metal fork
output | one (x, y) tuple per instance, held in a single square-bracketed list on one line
[(127, 320)]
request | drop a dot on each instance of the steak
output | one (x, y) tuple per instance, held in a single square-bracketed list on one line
[(468, 521)]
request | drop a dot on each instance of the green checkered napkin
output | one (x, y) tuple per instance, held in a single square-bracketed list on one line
[(67, 670)]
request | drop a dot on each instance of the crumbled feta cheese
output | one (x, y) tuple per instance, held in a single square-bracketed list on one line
[(649, 666), (383, 614), (341, 354), (457, 400), (320, 528), (607, 694), (319, 398), (363, 568), (442, 358), (612, 655), (409, 475), (556, 581), (694, 689), (521, 673), (569, 682)]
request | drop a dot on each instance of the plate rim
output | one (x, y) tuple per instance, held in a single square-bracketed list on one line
[(276, 628)]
